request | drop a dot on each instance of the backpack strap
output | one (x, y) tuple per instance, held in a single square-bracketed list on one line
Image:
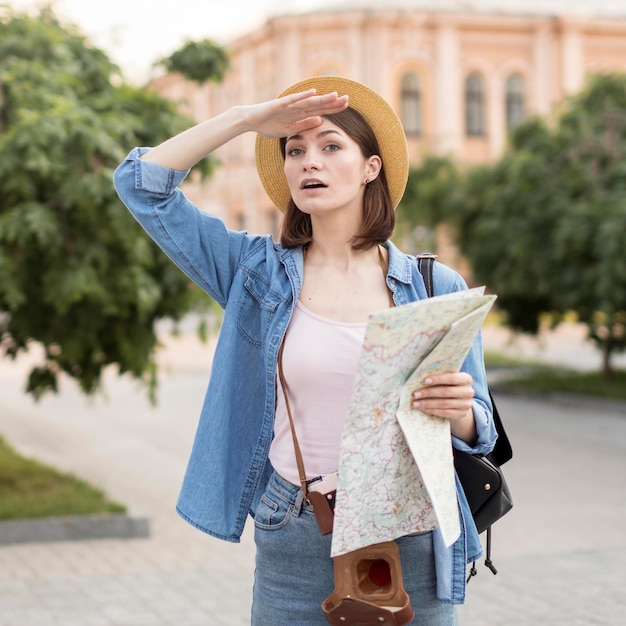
[(425, 264)]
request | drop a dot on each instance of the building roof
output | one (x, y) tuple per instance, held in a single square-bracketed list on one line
[(582, 8)]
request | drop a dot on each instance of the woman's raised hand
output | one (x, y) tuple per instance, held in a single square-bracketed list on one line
[(293, 113), (277, 118)]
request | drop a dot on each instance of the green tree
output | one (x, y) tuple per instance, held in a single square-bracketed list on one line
[(545, 226), (428, 194), (77, 275), (429, 191), (199, 61)]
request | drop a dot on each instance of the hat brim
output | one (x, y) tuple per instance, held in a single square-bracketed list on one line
[(382, 119)]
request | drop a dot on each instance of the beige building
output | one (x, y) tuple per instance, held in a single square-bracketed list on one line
[(458, 79)]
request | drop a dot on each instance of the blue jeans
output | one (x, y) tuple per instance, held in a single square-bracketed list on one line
[(294, 571)]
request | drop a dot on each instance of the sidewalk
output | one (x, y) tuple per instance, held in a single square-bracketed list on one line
[(561, 552), (137, 453)]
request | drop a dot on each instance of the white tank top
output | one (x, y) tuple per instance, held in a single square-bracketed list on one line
[(320, 360)]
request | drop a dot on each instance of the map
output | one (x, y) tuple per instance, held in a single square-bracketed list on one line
[(396, 474)]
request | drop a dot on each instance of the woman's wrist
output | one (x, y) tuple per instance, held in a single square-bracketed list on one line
[(239, 119), (465, 428)]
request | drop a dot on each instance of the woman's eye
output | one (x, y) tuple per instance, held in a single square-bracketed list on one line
[(294, 152), (332, 147)]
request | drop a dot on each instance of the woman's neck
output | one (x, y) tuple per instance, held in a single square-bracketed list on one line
[(338, 254), (344, 284)]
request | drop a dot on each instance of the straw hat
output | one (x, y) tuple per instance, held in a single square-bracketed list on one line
[(377, 113)]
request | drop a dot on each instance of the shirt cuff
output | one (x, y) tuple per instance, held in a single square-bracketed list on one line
[(153, 177), (485, 430)]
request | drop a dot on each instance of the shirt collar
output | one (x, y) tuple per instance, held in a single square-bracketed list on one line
[(399, 265)]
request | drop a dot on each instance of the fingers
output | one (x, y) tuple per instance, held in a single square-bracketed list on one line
[(445, 395), (305, 124), (454, 379), (310, 105), (293, 113)]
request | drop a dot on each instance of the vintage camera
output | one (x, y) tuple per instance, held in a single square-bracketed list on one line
[(369, 588), (368, 582)]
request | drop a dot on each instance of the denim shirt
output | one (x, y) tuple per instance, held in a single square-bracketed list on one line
[(258, 282)]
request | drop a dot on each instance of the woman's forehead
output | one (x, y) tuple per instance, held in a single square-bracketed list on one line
[(326, 126)]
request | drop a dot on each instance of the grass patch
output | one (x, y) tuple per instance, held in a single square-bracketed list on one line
[(29, 489), (549, 380), (498, 359)]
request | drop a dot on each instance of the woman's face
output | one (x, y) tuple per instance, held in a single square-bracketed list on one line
[(326, 170)]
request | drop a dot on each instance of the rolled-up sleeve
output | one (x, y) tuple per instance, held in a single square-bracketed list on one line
[(197, 242), (153, 177)]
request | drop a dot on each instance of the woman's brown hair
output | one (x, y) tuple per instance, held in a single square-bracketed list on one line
[(379, 218)]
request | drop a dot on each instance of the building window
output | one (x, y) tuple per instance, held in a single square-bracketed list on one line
[(411, 104), (474, 106), (515, 100)]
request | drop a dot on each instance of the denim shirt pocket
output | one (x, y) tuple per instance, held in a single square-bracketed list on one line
[(258, 303)]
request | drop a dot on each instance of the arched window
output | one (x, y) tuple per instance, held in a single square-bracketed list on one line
[(515, 100), (411, 104), (474, 106)]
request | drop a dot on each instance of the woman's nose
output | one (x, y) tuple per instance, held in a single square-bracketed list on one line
[(311, 161)]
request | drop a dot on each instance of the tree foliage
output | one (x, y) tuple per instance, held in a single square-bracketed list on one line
[(199, 61), (428, 195), (545, 226), (77, 275), (429, 191)]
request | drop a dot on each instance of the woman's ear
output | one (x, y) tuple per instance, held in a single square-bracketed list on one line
[(373, 167)]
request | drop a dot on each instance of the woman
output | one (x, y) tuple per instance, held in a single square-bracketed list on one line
[(332, 155)]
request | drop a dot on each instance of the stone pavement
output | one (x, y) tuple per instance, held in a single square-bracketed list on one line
[(561, 552)]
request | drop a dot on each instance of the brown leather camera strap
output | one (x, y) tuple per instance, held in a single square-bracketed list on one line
[(296, 445)]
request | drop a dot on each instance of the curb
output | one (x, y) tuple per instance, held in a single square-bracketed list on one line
[(74, 528)]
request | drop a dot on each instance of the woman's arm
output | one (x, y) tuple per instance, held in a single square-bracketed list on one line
[(276, 118)]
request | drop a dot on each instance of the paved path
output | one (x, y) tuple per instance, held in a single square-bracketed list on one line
[(561, 552)]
